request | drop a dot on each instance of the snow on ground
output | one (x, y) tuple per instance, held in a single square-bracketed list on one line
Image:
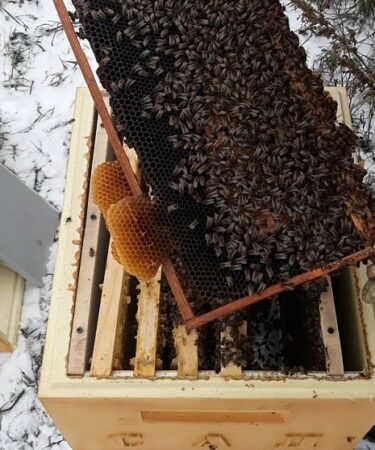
[(38, 79)]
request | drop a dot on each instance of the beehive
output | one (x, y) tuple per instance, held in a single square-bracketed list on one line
[(99, 405)]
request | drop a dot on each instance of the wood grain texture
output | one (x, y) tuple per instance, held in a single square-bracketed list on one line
[(148, 321), (109, 339), (330, 332), (93, 247), (111, 319), (339, 94), (186, 345)]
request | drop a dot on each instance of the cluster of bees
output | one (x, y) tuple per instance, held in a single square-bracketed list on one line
[(281, 334), (236, 137)]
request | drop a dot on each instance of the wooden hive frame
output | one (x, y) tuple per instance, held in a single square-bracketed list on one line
[(192, 321), (97, 331), (96, 410)]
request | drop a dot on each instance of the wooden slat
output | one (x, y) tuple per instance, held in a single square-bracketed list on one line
[(186, 351), (330, 332), (109, 342), (232, 370), (345, 109), (148, 321), (334, 92), (346, 113), (93, 248), (111, 320)]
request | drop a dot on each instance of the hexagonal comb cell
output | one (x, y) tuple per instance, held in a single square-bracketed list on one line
[(108, 185), (140, 240)]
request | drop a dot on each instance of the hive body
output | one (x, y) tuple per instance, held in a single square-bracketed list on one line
[(256, 409)]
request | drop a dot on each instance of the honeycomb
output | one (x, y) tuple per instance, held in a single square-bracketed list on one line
[(139, 242), (140, 247), (253, 177), (108, 185)]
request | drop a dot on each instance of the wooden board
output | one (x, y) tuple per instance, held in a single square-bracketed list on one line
[(92, 251), (339, 94), (345, 109), (12, 288), (111, 320), (186, 345), (330, 332), (109, 338), (148, 321)]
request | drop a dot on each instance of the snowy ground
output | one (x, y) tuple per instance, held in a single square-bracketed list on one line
[(38, 79)]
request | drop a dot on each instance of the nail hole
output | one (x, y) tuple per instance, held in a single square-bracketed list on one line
[(331, 330), (79, 330)]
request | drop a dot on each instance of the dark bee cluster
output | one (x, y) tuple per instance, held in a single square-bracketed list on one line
[(280, 334), (235, 135)]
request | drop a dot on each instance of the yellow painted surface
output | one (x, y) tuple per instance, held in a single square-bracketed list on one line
[(260, 411)]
